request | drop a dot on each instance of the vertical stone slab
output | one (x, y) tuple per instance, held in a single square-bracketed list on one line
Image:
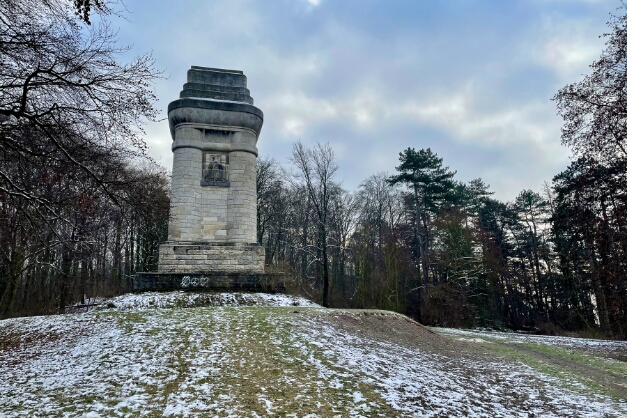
[(242, 202), (185, 209)]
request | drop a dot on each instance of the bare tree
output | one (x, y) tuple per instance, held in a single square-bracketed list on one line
[(71, 115), (66, 95), (595, 109), (268, 189), (314, 170)]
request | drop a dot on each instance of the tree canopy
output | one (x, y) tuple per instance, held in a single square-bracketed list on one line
[(595, 109)]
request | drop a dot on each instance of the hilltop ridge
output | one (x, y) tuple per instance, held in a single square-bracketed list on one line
[(230, 354)]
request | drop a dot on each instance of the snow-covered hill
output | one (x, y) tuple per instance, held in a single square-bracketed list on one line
[(184, 354)]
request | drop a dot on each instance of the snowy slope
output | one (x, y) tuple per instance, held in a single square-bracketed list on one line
[(265, 355)]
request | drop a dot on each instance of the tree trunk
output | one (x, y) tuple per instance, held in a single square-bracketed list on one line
[(325, 269)]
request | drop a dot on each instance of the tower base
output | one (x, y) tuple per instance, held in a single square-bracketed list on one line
[(205, 257), (212, 281)]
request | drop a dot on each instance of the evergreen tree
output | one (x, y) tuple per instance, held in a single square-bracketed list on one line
[(430, 186)]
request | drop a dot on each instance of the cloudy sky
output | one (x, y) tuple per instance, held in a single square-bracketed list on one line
[(470, 79)]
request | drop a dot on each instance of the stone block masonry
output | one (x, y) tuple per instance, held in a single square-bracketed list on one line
[(214, 135), (205, 257), (213, 208)]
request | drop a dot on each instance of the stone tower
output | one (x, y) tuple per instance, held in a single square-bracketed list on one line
[(213, 209)]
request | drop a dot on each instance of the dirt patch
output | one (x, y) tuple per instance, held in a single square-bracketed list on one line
[(398, 329), (24, 343), (20, 344)]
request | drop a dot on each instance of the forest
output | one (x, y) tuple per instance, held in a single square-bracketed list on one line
[(83, 208), (445, 252)]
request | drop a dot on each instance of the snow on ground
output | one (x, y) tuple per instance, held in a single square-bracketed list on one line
[(224, 361), (420, 383), (145, 357), (181, 299), (585, 344)]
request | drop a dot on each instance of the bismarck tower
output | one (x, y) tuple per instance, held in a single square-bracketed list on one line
[(212, 231), (213, 209)]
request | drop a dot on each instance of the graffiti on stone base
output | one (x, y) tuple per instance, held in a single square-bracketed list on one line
[(188, 281)]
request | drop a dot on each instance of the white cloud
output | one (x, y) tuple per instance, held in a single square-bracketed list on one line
[(566, 47), (459, 115), (372, 85), (532, 126), (365, 109), (297, 111)]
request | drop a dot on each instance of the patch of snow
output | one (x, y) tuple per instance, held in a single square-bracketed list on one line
[(585, 344), (417, 383), (181, 299), (473, 340), (136, 360)]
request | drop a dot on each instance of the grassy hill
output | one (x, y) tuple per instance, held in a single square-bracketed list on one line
[(184, 354)]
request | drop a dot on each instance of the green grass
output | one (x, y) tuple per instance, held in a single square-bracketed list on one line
[(266, 359), (567, 378), (275, 364), (577, 356), (233, 359)]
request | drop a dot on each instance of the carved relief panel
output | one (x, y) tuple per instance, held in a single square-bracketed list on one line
[(215, 170)]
